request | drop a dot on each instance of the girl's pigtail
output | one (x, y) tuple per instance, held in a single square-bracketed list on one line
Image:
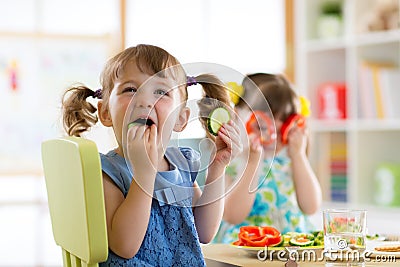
[(78, 114), (216, 95)]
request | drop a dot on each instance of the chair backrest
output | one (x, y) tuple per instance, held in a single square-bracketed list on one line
[(74, 185)]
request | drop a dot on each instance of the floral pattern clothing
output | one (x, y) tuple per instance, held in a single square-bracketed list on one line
[(275, 203), (171, 238)]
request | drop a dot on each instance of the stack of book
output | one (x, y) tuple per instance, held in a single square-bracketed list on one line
[(338, 170), (379, 90)]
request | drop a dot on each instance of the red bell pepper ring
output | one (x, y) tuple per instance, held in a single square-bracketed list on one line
[(255, 236), (259, 120), (294, 119), (274, 236)]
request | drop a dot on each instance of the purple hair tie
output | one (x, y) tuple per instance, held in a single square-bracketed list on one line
[(97, 94), (191, 81)]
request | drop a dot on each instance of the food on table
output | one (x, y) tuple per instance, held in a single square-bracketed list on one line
[(319, 238), (257, 236), (375, 237), (388, 248), (302, 240)]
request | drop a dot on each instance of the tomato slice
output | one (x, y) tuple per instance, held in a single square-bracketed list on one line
[(292, 120), (262, 125)]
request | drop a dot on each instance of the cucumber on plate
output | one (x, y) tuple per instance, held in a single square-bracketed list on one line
[(302, 240), (216, 118)]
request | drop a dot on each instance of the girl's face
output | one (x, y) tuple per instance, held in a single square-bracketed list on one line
[(136, 97)]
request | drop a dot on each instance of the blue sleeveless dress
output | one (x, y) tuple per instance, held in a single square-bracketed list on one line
[(171, 238)]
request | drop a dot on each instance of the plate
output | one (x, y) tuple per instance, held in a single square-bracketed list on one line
[(275, 250), (373, 244)]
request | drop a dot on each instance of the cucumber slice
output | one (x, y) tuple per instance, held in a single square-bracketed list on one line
[(302, 240), (216, 118)]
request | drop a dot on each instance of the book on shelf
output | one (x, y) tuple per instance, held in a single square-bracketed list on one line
[(378, 90), (338, 168), (390, 82)]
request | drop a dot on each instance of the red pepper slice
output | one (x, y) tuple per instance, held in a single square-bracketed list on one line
[(255, 236), (274, 236), (259, 120), (294, 119)]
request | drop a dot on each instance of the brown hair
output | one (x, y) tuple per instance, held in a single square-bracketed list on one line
[(79, 115), (276, 89), (216, 95)]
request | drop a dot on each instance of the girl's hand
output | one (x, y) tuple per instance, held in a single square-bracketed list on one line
[(255, 147), (297, 141), (142, 150), (228, 143)]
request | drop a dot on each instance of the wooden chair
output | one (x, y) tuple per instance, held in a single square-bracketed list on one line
[(72, 171)]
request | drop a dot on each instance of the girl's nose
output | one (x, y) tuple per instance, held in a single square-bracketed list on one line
[(143, 99)]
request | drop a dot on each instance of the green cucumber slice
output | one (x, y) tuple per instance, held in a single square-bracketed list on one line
[(301, 241), (216, 118)]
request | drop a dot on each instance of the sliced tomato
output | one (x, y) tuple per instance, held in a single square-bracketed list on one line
[(292, 120), (262, 125)]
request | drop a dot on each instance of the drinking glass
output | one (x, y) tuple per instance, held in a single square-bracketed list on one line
[(344, 237)]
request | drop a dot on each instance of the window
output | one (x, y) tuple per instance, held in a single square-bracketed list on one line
[(247, 36)]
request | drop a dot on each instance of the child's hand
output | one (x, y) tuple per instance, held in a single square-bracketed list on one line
[(297, 141), (143, 150), (228, 143), (255, 147)]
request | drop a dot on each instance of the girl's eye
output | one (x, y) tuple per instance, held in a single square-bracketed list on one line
[(161, 92), (130, 90)]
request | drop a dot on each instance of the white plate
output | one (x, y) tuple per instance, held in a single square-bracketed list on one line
[(255, 250), (371, 245)]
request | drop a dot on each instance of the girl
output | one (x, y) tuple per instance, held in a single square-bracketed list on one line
[(287, 185), (149, 214)]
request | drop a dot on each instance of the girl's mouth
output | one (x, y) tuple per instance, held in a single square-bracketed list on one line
[(142, 121)]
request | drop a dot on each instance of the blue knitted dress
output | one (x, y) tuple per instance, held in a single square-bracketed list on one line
[(171, 238)]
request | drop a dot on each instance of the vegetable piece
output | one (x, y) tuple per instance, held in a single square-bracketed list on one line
[(302, 240), (147, 122), (255, 236), (294, 119), (261, 124), (318, 238), (216, 118)]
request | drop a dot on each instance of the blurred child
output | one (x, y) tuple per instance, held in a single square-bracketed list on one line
[(158, 215), (287, 188)]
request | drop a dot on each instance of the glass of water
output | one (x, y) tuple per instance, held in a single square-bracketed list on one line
[(344, 237)]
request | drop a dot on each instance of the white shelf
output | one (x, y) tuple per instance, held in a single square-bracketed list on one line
[(378, 125), (329, 126), (383, 37), (325, 45), (353, 125), (367, 142)]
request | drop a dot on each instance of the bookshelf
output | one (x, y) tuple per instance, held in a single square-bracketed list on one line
[(346, 152)]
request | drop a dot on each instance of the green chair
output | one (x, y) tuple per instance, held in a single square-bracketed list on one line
[(74, 185)]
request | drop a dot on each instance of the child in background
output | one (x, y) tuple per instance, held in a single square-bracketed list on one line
[(145, 226), (287, 186)]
